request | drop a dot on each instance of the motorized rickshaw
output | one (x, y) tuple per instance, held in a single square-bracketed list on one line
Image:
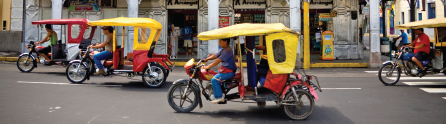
[(144, 62), (294, 92), (390, 72), (61, 53)]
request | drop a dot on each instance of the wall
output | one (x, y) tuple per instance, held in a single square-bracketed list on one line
[(10, 41), (6, 13)]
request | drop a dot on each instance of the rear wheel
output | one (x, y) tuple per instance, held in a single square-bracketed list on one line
[(180, 103), (26, 63), (76, 72), (389, 74), (156, 77), (298, 108)]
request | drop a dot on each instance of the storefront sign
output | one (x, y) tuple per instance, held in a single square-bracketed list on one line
[(182, 4), (249, 4), (333, 13), (325, 17), (223, 22), (366, 10), (83, 5)]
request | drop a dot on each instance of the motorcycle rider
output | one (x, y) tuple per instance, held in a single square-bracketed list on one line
[(225, 72), (403, 37), (50, 36), (421, 47), (107, 53)]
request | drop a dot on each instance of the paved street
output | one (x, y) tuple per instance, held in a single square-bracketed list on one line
[(350, 95)]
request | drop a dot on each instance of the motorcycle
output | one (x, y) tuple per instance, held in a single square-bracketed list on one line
[(403, 59)]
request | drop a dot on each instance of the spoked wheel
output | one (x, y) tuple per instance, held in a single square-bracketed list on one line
[(180, 99), (26, 63), (76, 72), (156, 78), (389, 74), (298, 108)]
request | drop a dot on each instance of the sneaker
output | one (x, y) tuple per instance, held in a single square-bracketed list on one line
[(48, 63), (222, 99)]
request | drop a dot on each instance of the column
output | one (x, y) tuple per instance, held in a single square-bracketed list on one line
[(56, 13), (132, 13), (375, 54), (306, 5), (295, 20), (213, 12)]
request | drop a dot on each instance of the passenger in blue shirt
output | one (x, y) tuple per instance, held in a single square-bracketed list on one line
[(187, 37), (403, 37), (225, 72)]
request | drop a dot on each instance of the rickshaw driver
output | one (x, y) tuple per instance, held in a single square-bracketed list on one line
[(50, 36), (107, 53), (225, 72), (421, 49)]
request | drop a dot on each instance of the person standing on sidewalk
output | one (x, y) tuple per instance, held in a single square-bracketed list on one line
[(50, 36), (187, 37), (173, 37), (107, 53)]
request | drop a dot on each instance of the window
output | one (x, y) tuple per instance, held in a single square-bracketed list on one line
[(420, 16), (402, 17), (144, 35), (279, 50), (75, 30), (431, 10)]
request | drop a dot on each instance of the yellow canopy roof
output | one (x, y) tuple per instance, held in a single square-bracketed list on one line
[(430, 23), (245, 29), (125, 21)]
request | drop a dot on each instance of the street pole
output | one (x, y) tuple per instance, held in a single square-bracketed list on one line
[(383, 9), (213, 13), (412, 16), (306, 6)]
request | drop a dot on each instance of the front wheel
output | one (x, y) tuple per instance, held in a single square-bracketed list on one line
[(298, 108), (181, 98), (76, 72), (387, 75), (26, 63), (154, 76)]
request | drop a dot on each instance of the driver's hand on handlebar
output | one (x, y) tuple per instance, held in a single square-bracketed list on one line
[(206, 67)]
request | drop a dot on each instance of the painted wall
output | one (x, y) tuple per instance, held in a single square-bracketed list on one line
[(5, 13)]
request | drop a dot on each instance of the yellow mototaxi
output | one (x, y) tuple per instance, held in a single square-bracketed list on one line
[(142, 60), (439, 25), (282, 83)]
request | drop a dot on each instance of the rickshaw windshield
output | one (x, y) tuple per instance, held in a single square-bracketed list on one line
[(147, 29), (281, 42)]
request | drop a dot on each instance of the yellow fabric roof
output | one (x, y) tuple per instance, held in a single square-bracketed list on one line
[(245, 29), (125, 21), (430, 23)]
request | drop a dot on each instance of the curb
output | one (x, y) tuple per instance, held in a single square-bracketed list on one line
[(339, 65), (9, 59)]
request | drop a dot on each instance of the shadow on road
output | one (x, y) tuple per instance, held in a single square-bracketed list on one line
[(272, 113)]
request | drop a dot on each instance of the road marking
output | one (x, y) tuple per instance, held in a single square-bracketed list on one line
[(418, 78), (425, 83), (341, 88), (434, 90), (444, 97), (29, 82), (373, 71)]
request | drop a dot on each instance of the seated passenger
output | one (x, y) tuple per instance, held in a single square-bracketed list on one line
[(50, 36), (107, 53), (225, 72)]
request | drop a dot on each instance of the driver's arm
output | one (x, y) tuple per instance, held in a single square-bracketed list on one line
[(215, 63), (411, 44), (47, 38), (419, 46), (211, 57)]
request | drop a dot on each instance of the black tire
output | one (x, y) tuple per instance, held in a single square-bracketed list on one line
[(76, 77), (388, 80), (305, 102), (26, 63), (175, 93), (261, 104), (159, 73)]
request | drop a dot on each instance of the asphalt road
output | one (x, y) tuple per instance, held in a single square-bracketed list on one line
[(350, 95)]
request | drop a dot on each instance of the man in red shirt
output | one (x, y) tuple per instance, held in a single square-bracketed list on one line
[(421, 46)]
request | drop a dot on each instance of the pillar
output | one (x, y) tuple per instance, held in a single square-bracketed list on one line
[(295, 20), (132, 13), (375, 53), (306, 6), (213, 13), (56, 13)]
